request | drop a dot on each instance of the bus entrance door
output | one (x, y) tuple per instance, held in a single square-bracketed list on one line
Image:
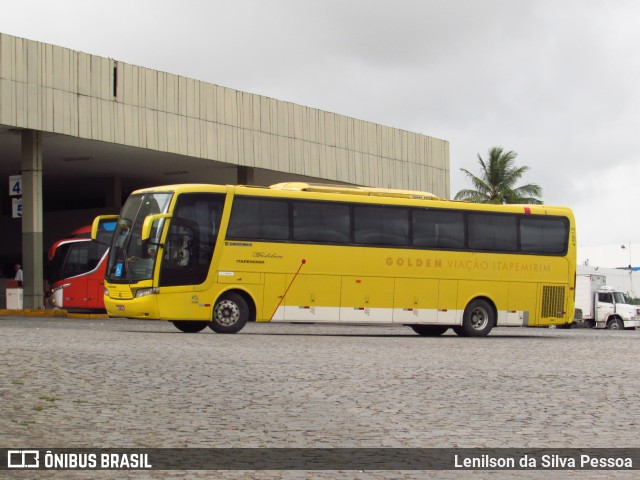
[(95, 293)]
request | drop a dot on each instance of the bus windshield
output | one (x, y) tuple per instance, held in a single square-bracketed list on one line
[(131, 259)]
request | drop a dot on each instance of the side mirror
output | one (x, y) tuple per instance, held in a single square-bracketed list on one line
[(148, 224), (103, 224)]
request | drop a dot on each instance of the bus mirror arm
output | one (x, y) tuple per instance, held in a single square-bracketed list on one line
[(95, 226), (148, 224)]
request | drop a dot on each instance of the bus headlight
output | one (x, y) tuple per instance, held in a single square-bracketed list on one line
[(106, 292), (143, 292), (59, 287)]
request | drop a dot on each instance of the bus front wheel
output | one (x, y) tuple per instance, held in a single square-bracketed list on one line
[(478, 319), (230, 314), (189, 326)]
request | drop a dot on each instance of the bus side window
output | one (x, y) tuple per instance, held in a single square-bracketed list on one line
[(320, 222), (438, 229), (380, 225), (259, 219), (77, 260), (492, 232)]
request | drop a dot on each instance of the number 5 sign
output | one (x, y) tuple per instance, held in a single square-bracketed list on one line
[(15, 185), (16, 207)]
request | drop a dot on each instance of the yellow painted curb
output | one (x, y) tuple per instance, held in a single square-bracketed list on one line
[(87, 315), (50, 313)]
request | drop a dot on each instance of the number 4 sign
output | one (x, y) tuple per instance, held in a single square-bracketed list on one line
[(15, 185)]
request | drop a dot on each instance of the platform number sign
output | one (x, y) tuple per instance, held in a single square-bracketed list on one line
[(15, 190), (15, 185), (16, 207)]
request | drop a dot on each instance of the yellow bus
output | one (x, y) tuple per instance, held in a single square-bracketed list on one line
[(222, 256)]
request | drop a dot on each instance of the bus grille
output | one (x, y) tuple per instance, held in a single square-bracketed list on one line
[(552, 301)]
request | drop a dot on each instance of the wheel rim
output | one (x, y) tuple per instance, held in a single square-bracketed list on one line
[(615, 325), (227, 313), (479, 318)]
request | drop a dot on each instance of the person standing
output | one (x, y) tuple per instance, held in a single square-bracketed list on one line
[(18, 276)]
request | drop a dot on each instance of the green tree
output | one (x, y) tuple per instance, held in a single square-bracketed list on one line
[(497, 181)]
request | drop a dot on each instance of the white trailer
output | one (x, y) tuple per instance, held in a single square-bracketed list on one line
[(600, 306)]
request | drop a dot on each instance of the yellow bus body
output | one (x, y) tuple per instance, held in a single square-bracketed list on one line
[(302, 282)]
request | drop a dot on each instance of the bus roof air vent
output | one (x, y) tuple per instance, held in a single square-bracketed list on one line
[(353, 190)]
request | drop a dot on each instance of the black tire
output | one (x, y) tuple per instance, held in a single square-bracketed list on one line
[(478, 319), (460, 331), (190, 326), (565, 326), (615, 324), (429, 330), (230, 314)]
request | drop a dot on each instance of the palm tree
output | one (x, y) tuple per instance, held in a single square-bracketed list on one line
[(497, 181)]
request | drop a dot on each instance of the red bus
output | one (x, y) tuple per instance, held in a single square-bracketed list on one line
[(76, 270)]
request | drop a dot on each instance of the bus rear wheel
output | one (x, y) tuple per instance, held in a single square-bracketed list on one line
[(429, 330), (478, 319), (230, 313), (190, 326)]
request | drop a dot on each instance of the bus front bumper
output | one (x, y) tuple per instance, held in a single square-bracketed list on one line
[(142, 307)]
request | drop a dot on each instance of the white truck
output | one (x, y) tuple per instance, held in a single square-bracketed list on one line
[(600, 306)]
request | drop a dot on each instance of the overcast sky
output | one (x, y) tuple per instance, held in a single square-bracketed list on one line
[(557, 81)]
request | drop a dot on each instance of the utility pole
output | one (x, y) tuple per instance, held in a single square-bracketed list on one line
[(624, 247)]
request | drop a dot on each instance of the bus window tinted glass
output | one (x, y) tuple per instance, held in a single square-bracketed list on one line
[(259, 219), (321, 222), (543, 235), (493, 232), (438, 229), (380, 225), (75, 258), (191, 239)]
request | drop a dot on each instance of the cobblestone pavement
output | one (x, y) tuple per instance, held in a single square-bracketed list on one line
[(124, 383)]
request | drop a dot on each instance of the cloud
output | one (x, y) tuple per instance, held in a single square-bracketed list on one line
[(605, 205), (554, 81)]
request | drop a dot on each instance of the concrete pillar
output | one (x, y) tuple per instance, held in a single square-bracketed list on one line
[(245, 176), (113, 194), (32, 254)]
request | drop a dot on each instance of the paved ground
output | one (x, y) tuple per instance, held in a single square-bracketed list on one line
[(125, 383)]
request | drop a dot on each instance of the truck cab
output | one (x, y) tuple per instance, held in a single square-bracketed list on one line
[(613, 312)]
